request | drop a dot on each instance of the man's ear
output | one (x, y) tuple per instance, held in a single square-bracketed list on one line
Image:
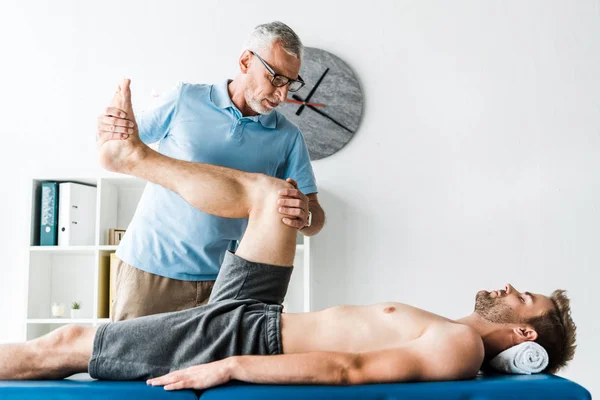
[(524, 334), (244, 61)]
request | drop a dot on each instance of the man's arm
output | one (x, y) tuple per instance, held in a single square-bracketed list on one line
[(318, 216), (432, 357), (295, 205), (429, 358)]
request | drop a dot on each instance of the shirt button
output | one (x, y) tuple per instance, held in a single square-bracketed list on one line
[(239, 122)]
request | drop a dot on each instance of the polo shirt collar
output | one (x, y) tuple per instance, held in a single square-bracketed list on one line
[(219, 96)]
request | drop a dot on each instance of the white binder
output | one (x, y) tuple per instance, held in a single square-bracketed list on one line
[(76, 214)]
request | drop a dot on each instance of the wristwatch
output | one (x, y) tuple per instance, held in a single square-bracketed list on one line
[(309, 220)]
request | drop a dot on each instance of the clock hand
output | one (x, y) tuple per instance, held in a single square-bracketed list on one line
[(316, 85), (299, 111), (328, 117), (301, 102)]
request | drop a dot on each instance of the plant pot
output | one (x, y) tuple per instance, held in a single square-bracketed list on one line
[(75, 313)]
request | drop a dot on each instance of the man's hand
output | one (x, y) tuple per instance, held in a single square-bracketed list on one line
[(201, 376), (294, 205)]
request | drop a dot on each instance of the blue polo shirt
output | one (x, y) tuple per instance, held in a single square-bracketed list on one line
[(167, 236)]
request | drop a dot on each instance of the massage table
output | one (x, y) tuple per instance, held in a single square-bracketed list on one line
[(501, 387)]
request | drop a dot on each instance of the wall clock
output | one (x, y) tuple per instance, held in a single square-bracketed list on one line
[(329, 106)]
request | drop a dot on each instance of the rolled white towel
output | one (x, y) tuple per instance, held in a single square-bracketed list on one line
[(525, 358)]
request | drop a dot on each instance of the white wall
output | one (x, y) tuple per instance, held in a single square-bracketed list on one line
[(475, 164)]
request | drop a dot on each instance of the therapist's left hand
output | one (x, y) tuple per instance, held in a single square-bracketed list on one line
[(293, 205)]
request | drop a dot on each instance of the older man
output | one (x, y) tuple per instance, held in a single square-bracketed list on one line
[(171, 253)]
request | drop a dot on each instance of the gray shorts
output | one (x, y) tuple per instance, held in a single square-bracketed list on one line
[(242, 317)]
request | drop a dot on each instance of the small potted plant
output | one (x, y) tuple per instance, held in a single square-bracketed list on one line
[(76, 309)]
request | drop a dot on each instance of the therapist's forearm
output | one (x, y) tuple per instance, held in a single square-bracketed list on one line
[(318, 219)]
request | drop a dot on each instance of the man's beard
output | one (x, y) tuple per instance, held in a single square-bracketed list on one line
[(255, 104), (493, 309)]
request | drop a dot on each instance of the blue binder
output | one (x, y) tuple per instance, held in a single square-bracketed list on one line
[(49, 214)]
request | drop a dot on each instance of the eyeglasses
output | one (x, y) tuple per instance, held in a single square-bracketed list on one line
[(279, 80)]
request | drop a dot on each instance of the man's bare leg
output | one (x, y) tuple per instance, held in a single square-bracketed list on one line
[(215, 190), (57, 355)]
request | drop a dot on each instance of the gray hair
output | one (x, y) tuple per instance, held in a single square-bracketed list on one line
[(263, 36)]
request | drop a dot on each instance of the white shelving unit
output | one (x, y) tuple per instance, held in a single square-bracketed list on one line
[(63, 274)]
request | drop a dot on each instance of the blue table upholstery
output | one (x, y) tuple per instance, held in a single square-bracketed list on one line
[(89, 390), (502, 387)]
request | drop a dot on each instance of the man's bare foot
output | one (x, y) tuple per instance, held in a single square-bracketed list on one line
[(121, 155)]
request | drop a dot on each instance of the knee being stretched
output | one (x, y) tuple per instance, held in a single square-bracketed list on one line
[(266, 188), (265, 185)]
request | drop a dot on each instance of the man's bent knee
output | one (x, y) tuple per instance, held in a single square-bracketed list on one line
[(265, 187)]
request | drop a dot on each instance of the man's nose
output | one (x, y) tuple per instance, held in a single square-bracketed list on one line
[(509, 288), (281, 93)]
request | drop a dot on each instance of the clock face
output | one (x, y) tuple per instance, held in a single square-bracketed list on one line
[(329, 106)]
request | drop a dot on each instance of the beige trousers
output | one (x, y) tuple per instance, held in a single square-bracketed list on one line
[(139, 293)]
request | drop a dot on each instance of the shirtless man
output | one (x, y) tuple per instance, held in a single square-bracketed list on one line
[(242, 333)]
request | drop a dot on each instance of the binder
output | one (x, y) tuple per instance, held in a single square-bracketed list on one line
[(48, 214), (107, 279), (76, 214), (114, 261)]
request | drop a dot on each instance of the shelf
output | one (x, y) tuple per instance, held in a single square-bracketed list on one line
[(63, 249), (89, 249), (67, 320), (83, 180), (71, 249)]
